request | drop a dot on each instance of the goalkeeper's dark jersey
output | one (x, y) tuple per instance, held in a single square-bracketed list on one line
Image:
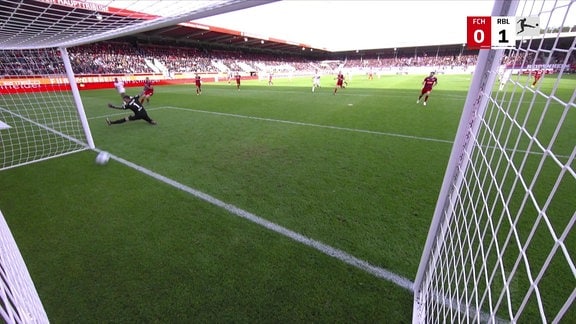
[(135, 105), (138, 109)]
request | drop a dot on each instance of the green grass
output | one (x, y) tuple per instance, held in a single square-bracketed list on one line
[(359, 171)]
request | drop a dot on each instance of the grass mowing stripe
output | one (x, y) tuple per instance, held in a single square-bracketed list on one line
[(331, 127), (326, 249), (294, 123), (313, 125), (351, 92)]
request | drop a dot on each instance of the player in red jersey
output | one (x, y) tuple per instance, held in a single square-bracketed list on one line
[(238, 78), (537, 75), (428, 83), (198, 82), (339, 81), (148, 91)]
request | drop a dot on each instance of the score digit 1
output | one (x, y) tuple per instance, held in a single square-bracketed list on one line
[(503, 32), (479, 32)]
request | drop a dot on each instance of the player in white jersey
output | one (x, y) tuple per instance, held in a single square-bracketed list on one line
[(504, 77), (119, 85), (315, 81)]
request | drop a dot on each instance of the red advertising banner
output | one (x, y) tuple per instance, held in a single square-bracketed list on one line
[(24, 84)]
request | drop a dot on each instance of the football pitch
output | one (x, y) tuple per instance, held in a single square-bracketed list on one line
[(268, 204)]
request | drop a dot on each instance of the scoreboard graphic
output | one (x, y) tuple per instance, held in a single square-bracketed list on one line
[(488, 32)]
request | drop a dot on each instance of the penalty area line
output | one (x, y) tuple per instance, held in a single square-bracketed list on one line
[(319, 246)]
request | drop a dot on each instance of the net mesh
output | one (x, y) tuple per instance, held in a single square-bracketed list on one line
[(37, 110), (503, 250)]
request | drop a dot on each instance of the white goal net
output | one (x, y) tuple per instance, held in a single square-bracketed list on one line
[(41, 110), (41, 115), (502, 245)]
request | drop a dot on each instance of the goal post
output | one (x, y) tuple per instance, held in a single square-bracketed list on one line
[(77, 99), (41, 111), (501, 244)]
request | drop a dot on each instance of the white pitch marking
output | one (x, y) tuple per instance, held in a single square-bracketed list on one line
[(326, 249)]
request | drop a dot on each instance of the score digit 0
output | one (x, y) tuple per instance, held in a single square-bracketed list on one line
[(479, 34)]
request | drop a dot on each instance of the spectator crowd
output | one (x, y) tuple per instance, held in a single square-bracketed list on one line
[(115, 57)]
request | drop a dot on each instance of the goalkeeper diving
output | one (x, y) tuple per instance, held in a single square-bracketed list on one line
[(133, 103)]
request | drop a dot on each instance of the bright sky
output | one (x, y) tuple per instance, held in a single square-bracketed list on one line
[(350, 25)]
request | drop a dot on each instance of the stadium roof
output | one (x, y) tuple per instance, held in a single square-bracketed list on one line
[(194, 33)]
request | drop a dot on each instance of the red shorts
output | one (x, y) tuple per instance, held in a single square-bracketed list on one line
[(426, 89), (149, 92)]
